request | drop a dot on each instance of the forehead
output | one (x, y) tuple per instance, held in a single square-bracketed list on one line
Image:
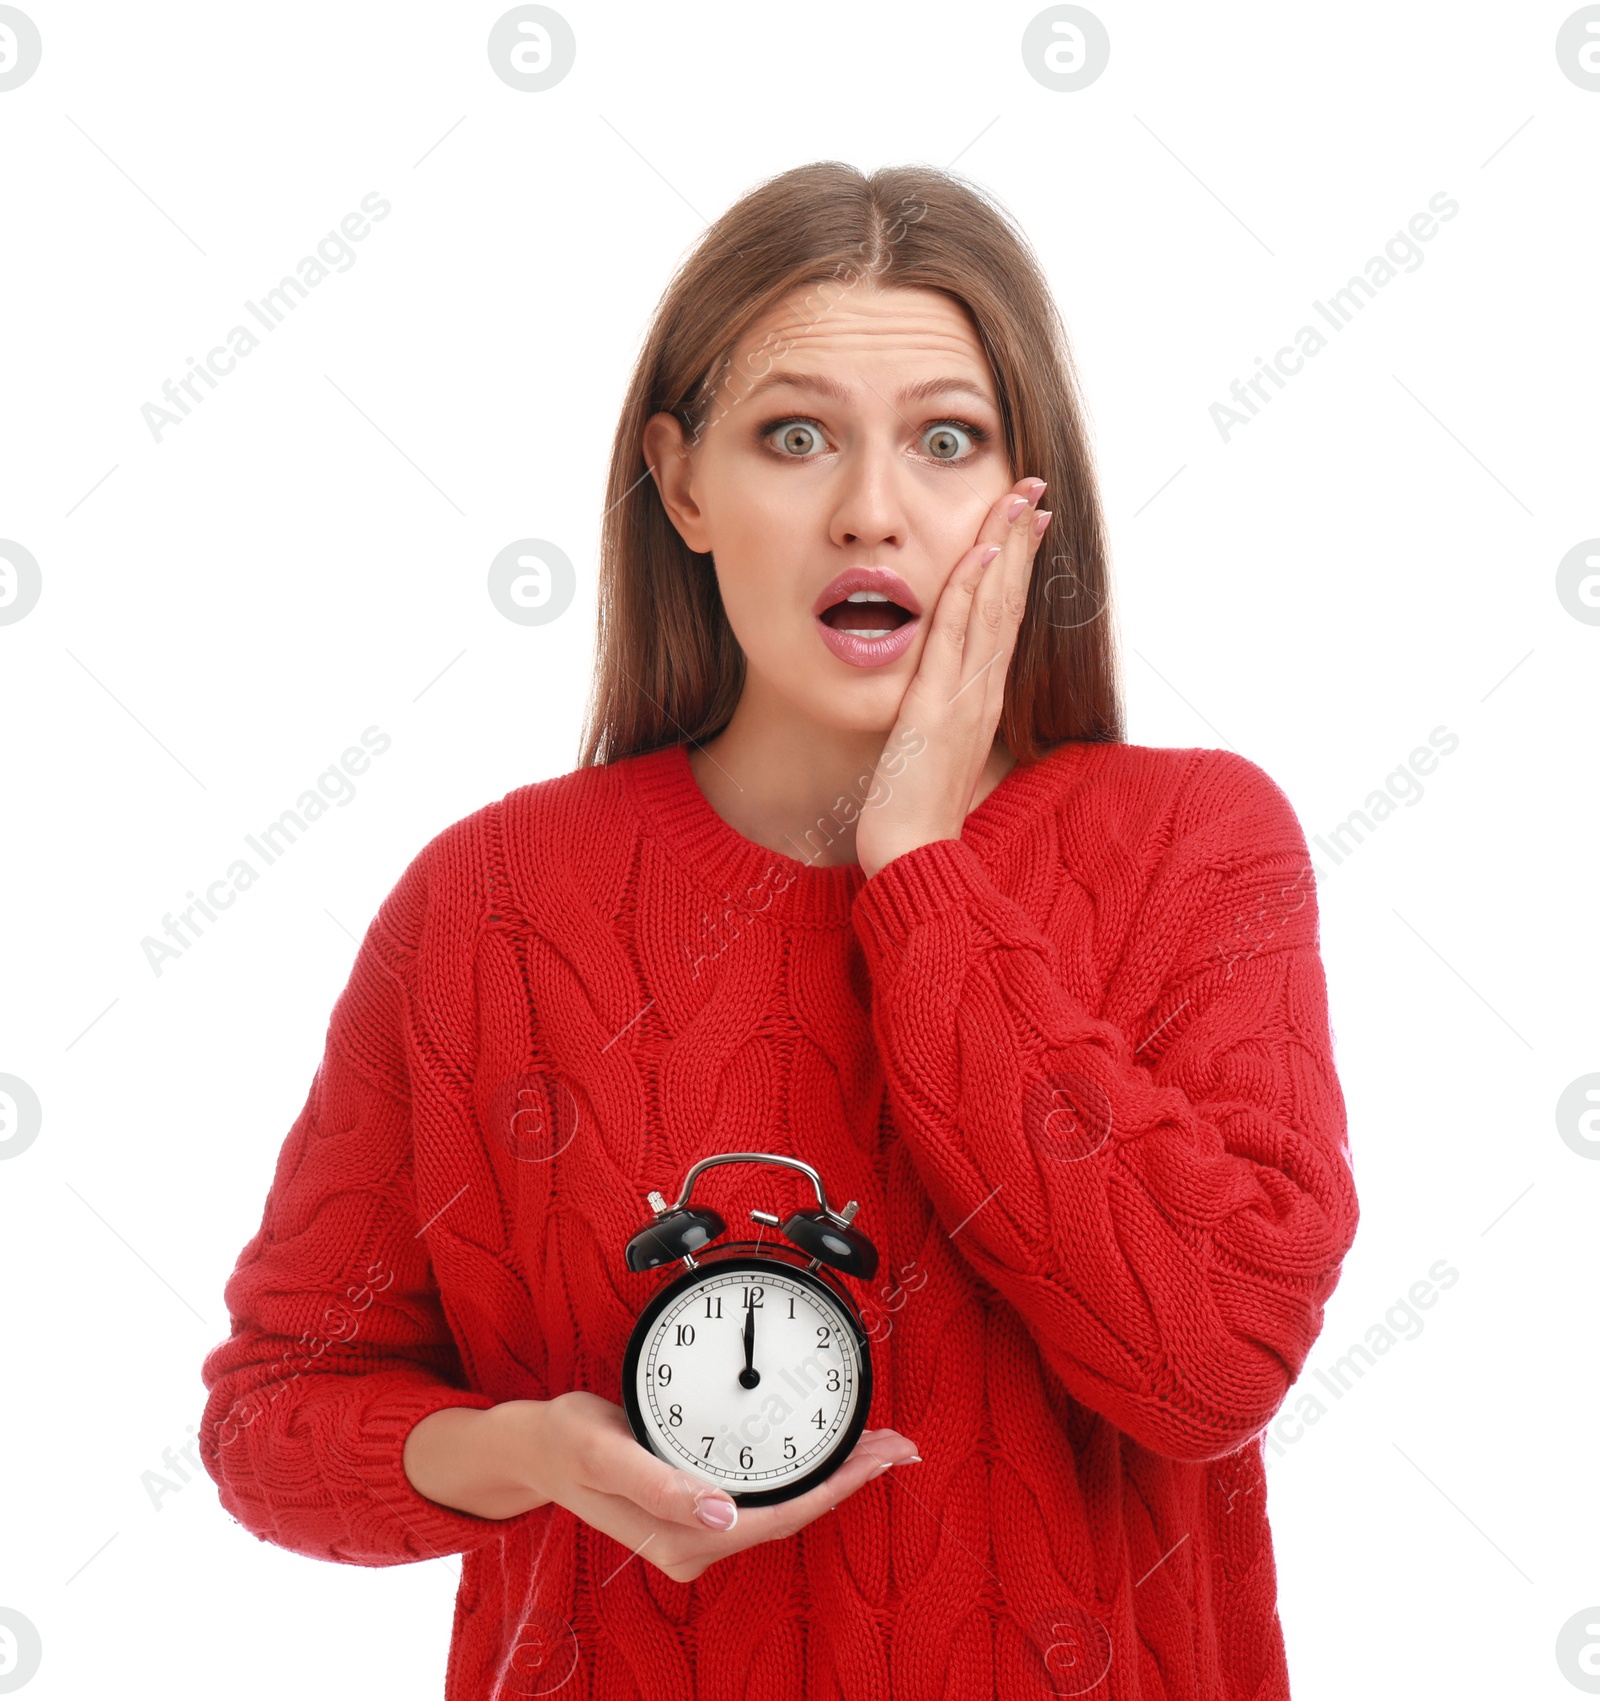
[(833, 327)]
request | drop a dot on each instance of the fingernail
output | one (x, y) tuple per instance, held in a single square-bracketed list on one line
[(988, 555), (1039, 487), (1041, 520), (1018, 503), (719, 1514), (915, 1459)]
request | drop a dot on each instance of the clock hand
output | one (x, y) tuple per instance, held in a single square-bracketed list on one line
[(749, 1376)]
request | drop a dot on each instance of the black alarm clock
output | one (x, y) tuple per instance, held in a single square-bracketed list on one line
[(750, 1370)]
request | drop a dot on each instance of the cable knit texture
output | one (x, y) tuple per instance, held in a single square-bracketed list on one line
[(1076, 1066)]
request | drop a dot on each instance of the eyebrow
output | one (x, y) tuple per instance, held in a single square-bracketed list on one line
[(921, 391)]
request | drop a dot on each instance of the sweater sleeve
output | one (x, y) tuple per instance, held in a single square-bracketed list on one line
[(1167, 1211), (339, 1344)]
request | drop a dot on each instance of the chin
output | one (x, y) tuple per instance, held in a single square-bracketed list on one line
[(879, 726), (836, 715)]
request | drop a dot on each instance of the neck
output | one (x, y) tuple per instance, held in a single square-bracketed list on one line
[(797, 787)]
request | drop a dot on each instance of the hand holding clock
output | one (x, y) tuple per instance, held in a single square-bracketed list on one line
[(578, 1451), (589, 1455)]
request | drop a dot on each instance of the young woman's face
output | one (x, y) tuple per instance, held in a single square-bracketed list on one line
[(854, 428)]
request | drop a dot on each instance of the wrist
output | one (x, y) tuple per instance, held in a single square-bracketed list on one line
[(477, 1461), (874, 865), (517, 1442)]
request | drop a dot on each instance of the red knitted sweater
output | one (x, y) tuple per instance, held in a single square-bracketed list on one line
[(1077, 1068)]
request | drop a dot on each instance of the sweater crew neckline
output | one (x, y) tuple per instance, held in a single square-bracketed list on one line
[(753, 878)]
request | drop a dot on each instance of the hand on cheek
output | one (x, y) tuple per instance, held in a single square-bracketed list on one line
[(945, 731)]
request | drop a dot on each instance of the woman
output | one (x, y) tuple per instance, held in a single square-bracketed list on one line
[(857, 868)]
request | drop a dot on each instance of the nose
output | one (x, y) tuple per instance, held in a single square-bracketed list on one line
[(870, 499)]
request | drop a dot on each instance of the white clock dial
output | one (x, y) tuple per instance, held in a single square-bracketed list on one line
[(750, 1379)]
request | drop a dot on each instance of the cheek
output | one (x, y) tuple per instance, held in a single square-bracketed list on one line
[(760, 598), (956, 534), (753, 515), (953, 511), (943, 537), (761, 549), (970, 507)]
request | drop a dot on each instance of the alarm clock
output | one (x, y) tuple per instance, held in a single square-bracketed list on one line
[(750, 1370)]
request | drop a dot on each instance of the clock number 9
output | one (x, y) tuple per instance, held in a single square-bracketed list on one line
[(664, 1374)]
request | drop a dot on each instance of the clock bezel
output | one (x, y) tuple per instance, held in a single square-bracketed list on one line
[(756, 1258)]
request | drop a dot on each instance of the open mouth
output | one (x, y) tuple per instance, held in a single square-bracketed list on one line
[(866, 614)]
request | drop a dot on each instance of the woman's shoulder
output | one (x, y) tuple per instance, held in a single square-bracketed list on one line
[(1198, 797), (538, 848), (578, 802)]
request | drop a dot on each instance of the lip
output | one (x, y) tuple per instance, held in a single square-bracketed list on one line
[(883, 579), (868, 652)]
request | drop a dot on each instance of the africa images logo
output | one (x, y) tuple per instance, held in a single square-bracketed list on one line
[(1401, 253)]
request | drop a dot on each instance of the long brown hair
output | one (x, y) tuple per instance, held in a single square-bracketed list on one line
[(668, 668)]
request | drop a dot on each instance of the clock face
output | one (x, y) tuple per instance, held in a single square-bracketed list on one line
[(749, 1374)]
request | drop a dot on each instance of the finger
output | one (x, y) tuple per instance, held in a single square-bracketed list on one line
[(1012, 599), (876, 1452), (939, 670), (1003, 592), (1001, 538), (999, 522), (986, 595), (619, 1465)]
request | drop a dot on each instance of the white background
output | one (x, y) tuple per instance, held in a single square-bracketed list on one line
[(225, 611)]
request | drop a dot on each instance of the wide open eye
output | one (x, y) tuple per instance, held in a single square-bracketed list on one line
[(947, 441), (799, 439)]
